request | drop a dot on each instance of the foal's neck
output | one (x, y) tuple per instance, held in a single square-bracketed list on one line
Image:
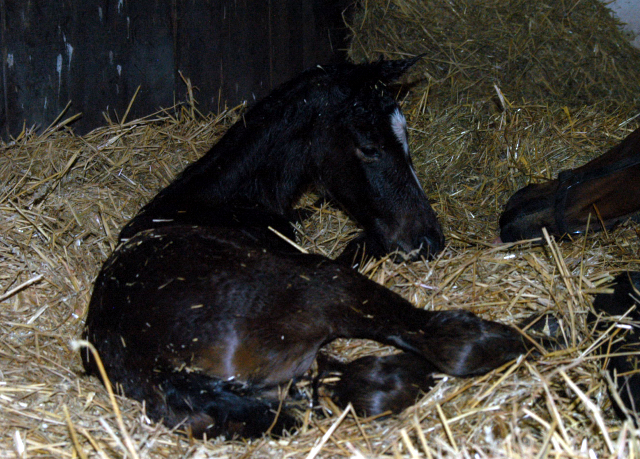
[(265, 159)]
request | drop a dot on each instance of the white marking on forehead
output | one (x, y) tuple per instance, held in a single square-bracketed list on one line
[(399, 127), (415, 177)]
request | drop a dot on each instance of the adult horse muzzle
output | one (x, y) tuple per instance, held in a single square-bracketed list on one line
[(600, 194)]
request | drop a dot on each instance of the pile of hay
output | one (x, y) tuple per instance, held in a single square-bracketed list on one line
[(495, 110), (570, 53)]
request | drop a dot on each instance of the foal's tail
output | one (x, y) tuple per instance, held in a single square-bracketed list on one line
[(198, 404), (208, 406)]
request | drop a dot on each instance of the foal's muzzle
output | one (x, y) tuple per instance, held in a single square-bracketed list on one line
[(426, 246)]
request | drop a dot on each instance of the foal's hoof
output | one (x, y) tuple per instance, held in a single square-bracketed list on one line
[(620, 309), (380, 385), (546, 330)]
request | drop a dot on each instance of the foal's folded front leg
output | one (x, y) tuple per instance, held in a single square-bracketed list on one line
[(456, 342)]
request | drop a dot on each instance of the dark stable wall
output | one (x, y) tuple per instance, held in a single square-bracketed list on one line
[(95, 54)]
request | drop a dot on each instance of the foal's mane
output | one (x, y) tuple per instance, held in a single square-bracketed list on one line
[(270, 143)]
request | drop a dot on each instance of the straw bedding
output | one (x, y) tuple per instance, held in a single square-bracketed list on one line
[(509, 92)]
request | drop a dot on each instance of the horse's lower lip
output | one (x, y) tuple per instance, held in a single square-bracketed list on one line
[(423, 250)]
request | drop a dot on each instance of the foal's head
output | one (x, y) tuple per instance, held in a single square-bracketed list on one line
[(367, 166)]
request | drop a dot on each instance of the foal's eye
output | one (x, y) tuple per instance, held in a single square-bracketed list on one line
[(367, 154)]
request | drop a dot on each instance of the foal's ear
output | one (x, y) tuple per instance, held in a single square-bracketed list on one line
[(387, 71)]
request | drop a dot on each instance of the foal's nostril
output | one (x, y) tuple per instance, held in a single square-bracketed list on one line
[(431, 246)]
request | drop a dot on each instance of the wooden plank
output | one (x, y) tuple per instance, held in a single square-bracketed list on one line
[(95, 53)]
